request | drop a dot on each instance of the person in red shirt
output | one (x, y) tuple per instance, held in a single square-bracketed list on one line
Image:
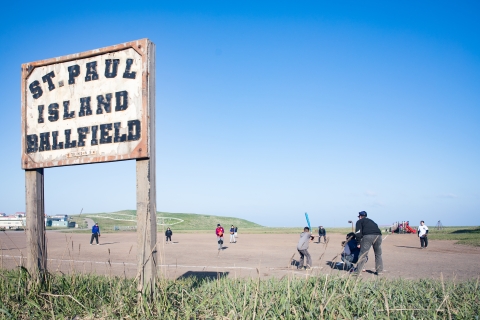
[(219, 232)]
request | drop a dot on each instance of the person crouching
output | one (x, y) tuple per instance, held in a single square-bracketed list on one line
[(350, 252)]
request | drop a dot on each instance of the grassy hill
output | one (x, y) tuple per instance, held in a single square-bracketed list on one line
[(176, 221), (463, 235), (186, 223)]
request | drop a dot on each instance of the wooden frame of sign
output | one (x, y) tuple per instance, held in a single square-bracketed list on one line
[(84, 108)]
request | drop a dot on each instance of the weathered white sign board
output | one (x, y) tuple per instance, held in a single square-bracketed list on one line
[(87, 107), (90, 107)]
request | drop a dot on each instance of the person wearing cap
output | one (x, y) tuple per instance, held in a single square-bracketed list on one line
[(367, 235), (219, 232), (302, 248), (95, 233), (350, 252)]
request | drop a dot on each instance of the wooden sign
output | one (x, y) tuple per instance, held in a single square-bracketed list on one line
[(95, 106), (87, 107)]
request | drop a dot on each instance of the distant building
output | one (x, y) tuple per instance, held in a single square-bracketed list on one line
[(59, 217), (57, 221), (12, 222)]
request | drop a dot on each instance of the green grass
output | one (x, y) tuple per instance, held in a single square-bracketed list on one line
[(177, 221), (462, 235), (217, 297)]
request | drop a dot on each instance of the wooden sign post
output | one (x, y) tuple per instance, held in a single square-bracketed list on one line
[(35, 209), (91, 107)]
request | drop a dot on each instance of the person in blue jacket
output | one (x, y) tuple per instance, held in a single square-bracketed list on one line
[(95, 233), (350, 252)]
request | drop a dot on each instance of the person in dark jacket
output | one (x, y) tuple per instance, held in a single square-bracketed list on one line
[(350, 252), (232, 234), (95, 233), (168, 235), (367, 235), (322, 233)]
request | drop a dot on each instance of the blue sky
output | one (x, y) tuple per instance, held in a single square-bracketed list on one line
[(267, 110)]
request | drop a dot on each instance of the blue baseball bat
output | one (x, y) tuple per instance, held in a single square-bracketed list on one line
[(308, 221)]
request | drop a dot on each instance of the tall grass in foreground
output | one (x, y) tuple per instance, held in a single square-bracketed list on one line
[(325, 297)]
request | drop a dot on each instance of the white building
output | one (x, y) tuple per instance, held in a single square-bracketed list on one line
[(12, 222)]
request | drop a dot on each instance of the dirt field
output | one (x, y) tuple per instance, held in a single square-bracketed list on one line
[(191, 254)]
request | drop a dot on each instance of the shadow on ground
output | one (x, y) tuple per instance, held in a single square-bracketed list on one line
[(15, 248), (199, 276), (476, 230), (335, 265), (408, 247)]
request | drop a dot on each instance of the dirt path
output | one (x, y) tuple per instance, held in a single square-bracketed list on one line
[(270, 254), (90, 223)]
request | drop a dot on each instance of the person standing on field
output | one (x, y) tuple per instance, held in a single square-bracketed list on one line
[(422, 234), (232, 234), (95, 233), (236, 234), (219, 232), (322, 233), (168, 235), (367, 235), (302, 247)]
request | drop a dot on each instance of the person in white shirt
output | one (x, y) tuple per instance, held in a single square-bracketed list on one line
[(422, 234)]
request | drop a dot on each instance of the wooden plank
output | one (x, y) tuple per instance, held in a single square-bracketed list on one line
[(35, 211), (146, 196)]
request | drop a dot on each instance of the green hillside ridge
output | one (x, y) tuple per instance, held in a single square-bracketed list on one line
[(177, 221)]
